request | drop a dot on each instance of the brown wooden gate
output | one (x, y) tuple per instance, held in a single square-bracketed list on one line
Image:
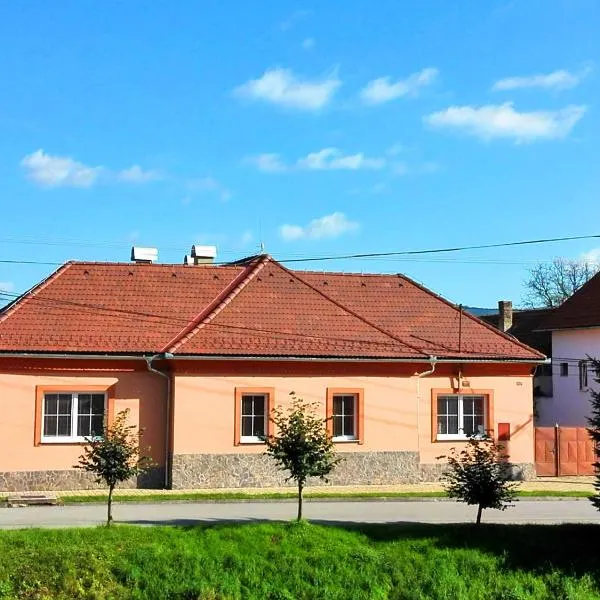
[(563, 451)]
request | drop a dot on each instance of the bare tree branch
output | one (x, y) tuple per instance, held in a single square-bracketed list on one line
[(550, 284)]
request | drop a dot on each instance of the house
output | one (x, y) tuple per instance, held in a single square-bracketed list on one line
[(575, 330), (200, 353), (524, 325)]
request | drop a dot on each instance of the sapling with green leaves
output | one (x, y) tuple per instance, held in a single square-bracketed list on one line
[(115, 456), (479, 475), (301, 444)]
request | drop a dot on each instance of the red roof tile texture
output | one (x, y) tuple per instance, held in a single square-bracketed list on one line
[(582, 309), (256, 309)]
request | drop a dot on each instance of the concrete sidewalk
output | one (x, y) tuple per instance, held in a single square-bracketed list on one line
[(553, 484)]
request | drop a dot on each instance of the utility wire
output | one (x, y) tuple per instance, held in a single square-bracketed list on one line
[(181, 322), (379, 255)]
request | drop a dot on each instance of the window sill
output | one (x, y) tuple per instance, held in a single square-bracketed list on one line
[(457, 438), (63, 442), (251, 442), (345, 441)]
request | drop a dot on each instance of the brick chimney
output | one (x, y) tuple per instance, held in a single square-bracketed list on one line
[(505, 317)]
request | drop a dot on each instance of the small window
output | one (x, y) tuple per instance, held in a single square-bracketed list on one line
[(344, 416), (564, 369), (460, 416), (253, 418), (72, 417), (252, 411), (583, 375)]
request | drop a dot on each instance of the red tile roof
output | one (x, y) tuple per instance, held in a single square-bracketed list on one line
[(257, 308), (582, 309)]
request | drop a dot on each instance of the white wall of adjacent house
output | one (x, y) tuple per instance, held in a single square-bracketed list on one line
[(572, 378)]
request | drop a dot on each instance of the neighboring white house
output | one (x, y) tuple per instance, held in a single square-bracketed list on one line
[(575, 327)]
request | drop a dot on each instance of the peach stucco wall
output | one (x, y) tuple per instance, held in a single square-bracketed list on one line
[(140, 392), (203, 405), (204, 410)]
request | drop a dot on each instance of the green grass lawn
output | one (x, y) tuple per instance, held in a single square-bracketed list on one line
[(277, 561), (232, 496)]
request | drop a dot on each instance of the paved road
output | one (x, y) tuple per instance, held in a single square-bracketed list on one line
[(566, 511)]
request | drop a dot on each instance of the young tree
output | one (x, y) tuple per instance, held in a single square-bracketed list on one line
[(478, 475), (550, 284), (115, 456), (301, 444), (594, 430)]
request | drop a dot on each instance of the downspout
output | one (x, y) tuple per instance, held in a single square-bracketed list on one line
[(167, 376), (419, 376)]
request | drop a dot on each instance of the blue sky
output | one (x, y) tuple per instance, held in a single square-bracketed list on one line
[(317, 128)]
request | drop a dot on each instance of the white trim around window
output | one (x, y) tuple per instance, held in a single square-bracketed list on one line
[(72, 417), (461, 415), (254, 418), (345, 417)]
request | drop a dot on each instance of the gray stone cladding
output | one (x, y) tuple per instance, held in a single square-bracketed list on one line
[(70, 479), (208, 471), (357, 468)]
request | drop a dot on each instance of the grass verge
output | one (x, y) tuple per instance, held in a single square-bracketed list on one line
[(288, 561), (232, 496)]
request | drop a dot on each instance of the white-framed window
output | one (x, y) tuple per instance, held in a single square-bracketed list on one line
[(72, 416), (253, 415), (344, 413), (460, 416), (583, 375)]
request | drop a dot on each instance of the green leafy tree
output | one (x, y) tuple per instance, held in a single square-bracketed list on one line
[(479, 475), (115, 456), (301, 444), (594, 429)]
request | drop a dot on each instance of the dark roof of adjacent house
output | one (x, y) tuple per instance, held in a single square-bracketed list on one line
[(525, 327), (582, 309), (255, 307)]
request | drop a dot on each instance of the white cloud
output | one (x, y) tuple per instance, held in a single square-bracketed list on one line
[(7, 286), (207, 184), (59, 171), (379, 188), (384, 89), (296, 16), (557, 80), (308, 43), (269, 163), (329, 226), (332, 158), (282, 87), (395, 149), (246, 238), (136, 174), (593, 256), (503, 121)]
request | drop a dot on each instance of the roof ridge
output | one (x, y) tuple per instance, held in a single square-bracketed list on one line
[(218, 304), (353, 313), (470, 316), (25, 297)]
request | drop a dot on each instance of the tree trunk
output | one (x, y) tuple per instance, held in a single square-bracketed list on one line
[(300, 489), (479, 511), (110, 495)]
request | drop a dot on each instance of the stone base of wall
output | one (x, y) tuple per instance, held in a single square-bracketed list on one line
[(71, 479), (209, 471), (257, 470)]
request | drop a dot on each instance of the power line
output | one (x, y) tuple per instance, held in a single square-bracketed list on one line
[(169, 320), (381, 255), (439, 250)]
